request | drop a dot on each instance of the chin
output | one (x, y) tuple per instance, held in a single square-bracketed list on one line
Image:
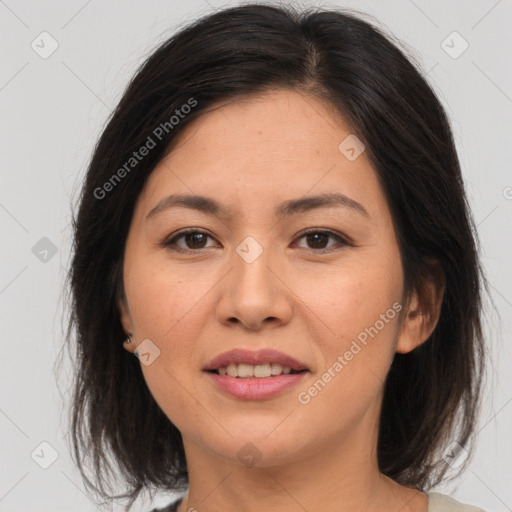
[(259, 446)]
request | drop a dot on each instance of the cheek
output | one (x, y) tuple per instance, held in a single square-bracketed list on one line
[(355, 358), (170, 307), (165, 300), (357, 308), (350, 298), (362, 305)]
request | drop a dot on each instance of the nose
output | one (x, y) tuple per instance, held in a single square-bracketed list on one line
[(255, 293)]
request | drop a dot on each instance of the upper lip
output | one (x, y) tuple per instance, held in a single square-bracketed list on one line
[(263, 356)]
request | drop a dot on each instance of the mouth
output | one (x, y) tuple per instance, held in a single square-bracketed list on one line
[(264, 363), (259, 371), (260, 375)]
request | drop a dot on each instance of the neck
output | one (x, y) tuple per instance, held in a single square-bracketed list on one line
[(332, 477)]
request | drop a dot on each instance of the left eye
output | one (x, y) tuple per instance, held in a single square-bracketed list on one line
[(196, 240), (320, 237)]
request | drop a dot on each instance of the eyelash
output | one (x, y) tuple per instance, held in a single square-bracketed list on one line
[(170, 242)]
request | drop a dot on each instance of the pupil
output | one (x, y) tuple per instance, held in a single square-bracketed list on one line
[(196, 238), (315, 236)]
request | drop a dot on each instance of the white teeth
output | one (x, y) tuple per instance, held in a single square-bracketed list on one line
[(232, 370), (245, 371), (276, 369), (261, 370)]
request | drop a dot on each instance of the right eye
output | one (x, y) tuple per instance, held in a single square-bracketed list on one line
[(194, 240)]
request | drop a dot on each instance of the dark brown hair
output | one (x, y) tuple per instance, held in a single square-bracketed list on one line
[(432, 394)]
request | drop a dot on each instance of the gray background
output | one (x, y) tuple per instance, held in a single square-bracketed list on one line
[(52, 111)]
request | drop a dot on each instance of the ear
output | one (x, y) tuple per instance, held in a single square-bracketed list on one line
[(424, 309), (126, 322)]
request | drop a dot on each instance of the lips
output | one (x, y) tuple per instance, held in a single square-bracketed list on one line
[(237, 380), (264, 356)]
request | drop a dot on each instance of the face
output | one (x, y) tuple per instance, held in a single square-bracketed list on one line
[(270, 268)]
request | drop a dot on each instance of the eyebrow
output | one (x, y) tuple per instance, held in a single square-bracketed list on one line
[(210, 206)]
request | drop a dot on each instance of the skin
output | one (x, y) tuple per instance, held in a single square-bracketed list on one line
[(250, 155)]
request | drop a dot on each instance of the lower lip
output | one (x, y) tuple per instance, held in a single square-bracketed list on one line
[(258, 388)]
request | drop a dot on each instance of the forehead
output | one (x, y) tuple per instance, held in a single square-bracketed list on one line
[(272, 147), (281, 120)]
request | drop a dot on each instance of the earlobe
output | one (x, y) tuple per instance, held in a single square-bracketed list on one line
[(126, 322), (422, 314), (416, 328), (128, 343)]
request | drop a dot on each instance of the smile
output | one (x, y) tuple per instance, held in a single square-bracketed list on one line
[(246, 371), (259, 375)]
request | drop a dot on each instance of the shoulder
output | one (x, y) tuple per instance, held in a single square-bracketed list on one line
[(169, 508), (441, 503)]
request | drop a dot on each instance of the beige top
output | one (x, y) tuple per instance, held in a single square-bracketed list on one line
[(436, 503), (442, 503)]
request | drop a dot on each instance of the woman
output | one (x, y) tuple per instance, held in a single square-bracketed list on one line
[(274, 222)]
